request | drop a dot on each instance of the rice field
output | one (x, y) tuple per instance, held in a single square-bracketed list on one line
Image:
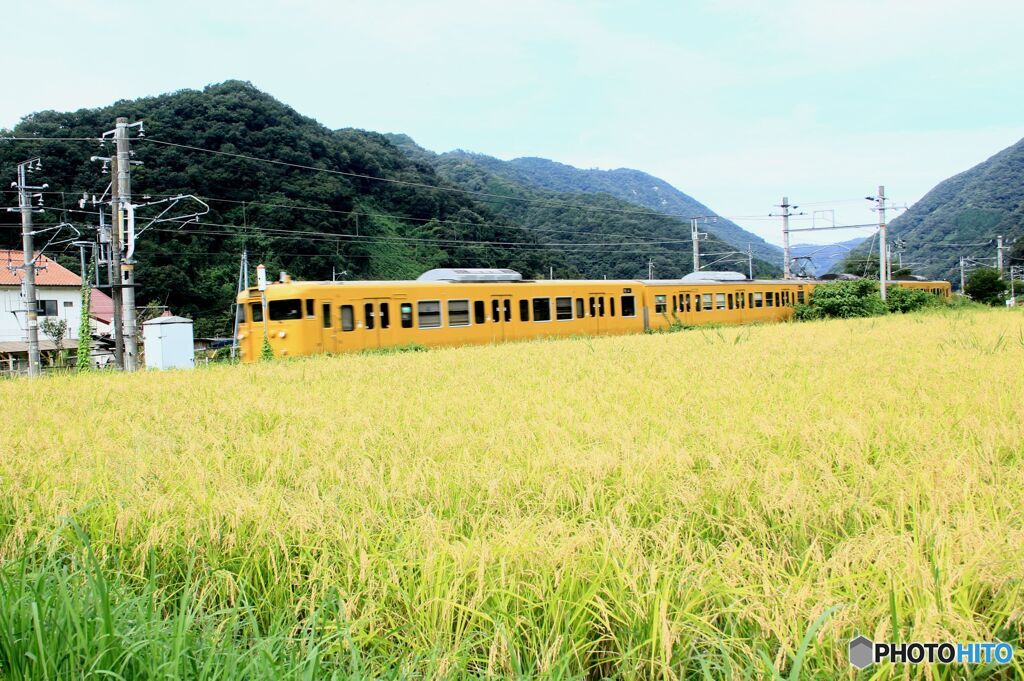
[(718, 503)]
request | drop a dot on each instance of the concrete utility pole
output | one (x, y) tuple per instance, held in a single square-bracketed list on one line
[(29, 262), (999, 254), (786, 274), (962, 278), (750, 263), (115, 272), (695, 238), (883, 247), (122, 202), (243, 285), (650, 268)]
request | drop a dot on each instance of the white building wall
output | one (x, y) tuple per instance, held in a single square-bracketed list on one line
[(12, 311)]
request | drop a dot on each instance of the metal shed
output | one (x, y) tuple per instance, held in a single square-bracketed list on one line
[(168, 343)]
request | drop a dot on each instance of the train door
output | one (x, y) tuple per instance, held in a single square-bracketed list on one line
[(375, 315), (596, 311), (328, 327), (500, 318), (690, 304)]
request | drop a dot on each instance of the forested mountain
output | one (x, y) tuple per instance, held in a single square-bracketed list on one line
[(632, 186), (310, 222), (568, 220), (824, 257), (963, 215)]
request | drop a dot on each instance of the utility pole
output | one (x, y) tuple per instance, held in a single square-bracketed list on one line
[(695, 238), (650, 268), (786, 274), (999, 254), (884, 273), (750, 263), (122, 202), (243, 285), (115, 272), (29, 261), (962, 278)]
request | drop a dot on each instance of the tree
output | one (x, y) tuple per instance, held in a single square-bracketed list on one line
[(986, 285), (55, 330), (843, 299)]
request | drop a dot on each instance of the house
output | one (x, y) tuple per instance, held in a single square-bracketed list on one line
[(58, 294)]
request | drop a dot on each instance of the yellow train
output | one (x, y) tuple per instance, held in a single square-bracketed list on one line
[(472, 306)]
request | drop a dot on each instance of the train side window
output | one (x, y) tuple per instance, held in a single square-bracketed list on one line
[(728, 299), (563, 308), (758, 299), (593, 306), (257, 311), (777, 299), (581, 310), (495, 311), (524, 310), (385, 316), (542, 309), (600, 306), (707, 302), (687, 305), (429, 313), (405, 312), (348, 317), (508, 310), (660, 304), (309, 308), (675, 303), (719, 301), (458, 313), (800, 297), (628, 306), (479, 312), (696, 302), (327, 315), (768, 299), (750, 300), (368, 315)]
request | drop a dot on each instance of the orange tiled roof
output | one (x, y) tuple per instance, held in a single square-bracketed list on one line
[(48, 272)]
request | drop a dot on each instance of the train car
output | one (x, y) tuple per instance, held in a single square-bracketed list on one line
[(475, 306)]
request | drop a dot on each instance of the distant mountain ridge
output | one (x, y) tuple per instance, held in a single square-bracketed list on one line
[(963, 215), (600, 235), (824, 257), (627, 184)]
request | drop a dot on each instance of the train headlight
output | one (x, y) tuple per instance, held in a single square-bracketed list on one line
[(242, 335)]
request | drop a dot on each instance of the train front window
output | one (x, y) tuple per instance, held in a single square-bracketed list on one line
[(240, 314), (429, 313), (309, 308), (628, 306), (563, 308), (281, 310)]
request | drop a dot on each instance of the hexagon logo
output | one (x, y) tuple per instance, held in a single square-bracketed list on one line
[(862, 652)]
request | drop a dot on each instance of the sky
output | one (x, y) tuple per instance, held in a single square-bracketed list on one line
[(737, 103)]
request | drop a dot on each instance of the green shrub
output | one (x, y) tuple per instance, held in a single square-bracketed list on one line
[(900, 299), (844, 299)]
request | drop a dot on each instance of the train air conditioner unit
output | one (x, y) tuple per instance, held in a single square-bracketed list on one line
[(469, 274), (715, 276)]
